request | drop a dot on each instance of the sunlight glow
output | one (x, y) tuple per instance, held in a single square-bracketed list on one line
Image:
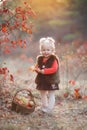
[(61, 1)]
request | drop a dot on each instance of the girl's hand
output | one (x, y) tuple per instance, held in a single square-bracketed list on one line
[(39, 70), (36, 69), (32, 68)]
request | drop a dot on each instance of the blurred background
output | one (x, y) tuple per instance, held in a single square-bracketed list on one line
[(66, 22)]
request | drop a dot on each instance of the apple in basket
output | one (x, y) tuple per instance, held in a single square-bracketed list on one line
[(31, 103), (24, 100)]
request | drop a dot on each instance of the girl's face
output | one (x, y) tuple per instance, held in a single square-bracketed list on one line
[(46, 51)]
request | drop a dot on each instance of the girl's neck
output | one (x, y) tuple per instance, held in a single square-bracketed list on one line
[(45, 58)]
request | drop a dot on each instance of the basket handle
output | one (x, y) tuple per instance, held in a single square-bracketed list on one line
[(23, 90)]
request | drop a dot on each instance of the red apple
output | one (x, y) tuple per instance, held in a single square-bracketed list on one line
[(31, 103)]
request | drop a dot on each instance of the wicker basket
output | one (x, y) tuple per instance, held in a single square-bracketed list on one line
[(20, 107)]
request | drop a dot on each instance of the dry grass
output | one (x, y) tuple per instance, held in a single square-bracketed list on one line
[(68, 114)]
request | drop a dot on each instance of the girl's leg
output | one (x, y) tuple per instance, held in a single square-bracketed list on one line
[(44, 98), (51, 100)]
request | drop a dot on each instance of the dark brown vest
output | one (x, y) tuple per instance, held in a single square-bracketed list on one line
[(47, 78)]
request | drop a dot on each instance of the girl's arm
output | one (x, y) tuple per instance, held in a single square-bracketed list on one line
[(51, 70)]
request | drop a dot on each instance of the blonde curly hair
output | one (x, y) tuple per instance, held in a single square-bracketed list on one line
[(49, 41)]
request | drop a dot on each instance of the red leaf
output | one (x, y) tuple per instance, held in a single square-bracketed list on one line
[(4, 28), (84, 97), (7, 49), (5, 10), (13, 42), (65, 95), (25, 3), (72, 82), (20, 42), (76, 93), (11, 78)]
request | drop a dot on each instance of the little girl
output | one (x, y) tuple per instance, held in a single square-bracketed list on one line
[(47, 68)]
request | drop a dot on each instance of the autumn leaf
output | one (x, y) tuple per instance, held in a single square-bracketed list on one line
[(25, 3), (72, 82), (3, 70), (11, 78), (66, 95), (29, 31), (24, 46), (5, 10), (7, 49), (4, 28), (0, 70), (76, 93), (20, 42), (13, 42), (84, 97)]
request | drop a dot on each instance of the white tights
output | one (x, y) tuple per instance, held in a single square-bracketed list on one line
[(48, 99)]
